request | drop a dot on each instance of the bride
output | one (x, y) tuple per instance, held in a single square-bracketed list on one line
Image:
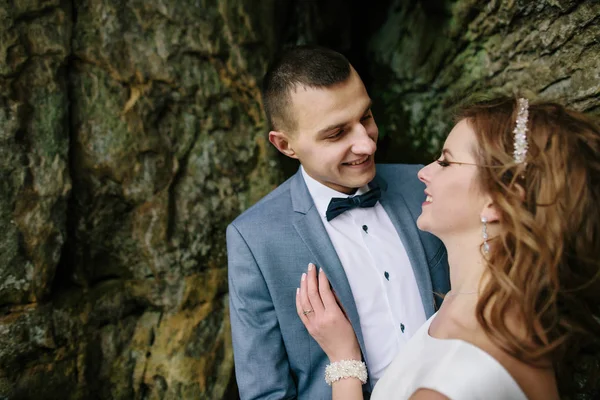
[(514, 197)]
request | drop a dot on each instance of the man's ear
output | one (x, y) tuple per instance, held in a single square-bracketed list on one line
[(282, 143)]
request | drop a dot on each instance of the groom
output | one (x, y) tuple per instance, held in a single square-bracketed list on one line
[(383, 270)]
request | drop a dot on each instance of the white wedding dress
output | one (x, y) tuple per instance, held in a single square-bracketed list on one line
[(455, 368)]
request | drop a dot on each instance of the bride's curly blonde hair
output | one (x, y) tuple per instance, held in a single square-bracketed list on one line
[(544, 266)]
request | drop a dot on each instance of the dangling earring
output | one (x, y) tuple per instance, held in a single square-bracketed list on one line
[(486, 246)]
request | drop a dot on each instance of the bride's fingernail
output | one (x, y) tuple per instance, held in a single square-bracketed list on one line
[(310, 266), (297, 291), (303, 276)]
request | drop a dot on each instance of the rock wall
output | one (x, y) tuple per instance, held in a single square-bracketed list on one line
[(429, 55), (131, 133)]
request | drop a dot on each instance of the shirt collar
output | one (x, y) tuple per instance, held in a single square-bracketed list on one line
[(322, 194)]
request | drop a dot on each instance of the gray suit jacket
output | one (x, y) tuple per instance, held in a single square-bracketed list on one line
[(270, 245)]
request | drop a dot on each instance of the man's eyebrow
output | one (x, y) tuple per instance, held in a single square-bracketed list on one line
[(336, 126), (368, 107), (331, 127)]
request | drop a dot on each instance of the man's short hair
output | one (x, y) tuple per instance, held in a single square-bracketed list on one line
[(305, 66)]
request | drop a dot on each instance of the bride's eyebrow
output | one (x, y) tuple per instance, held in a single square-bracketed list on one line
[(448, 152)]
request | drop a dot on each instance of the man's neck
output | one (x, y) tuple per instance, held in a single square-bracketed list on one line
[(322, 194)]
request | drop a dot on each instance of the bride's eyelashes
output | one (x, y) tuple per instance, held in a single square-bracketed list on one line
[(443, 163)]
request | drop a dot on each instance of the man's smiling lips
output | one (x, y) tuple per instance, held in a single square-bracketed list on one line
[(360, 161)]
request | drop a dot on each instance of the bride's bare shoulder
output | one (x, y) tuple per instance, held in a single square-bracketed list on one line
[(458, 321)]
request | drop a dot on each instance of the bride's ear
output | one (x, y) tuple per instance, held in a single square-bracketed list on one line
[(490, 212)]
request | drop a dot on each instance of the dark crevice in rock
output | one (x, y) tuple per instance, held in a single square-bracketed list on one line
[(66, 266), (559, 82), (594, 110), (101, 280), (180, 174), (114, 315), (31, 16)]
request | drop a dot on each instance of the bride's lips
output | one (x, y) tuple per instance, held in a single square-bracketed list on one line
[(428, 199)]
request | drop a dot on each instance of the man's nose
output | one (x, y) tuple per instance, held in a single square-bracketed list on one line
[(364, 143)]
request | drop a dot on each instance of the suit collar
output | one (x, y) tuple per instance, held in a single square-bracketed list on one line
[(399, 213), (378, 181), (310, 227), (302, 200), (311, 230)]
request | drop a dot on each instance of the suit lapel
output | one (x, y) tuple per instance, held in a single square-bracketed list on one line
[(395, 205), (309, 225)]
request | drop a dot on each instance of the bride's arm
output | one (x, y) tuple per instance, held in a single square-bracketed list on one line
[(325, 321), (347, 389)]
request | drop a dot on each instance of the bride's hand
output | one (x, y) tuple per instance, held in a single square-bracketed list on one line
[(324, 319)]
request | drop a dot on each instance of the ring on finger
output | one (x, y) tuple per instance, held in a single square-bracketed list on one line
[(306, 312)]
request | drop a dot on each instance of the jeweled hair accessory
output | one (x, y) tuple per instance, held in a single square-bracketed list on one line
[(520, 132)]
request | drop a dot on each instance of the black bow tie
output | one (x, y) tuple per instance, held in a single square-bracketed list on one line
[(338, 205)]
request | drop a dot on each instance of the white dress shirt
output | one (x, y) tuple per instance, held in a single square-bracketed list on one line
[(379, 273)]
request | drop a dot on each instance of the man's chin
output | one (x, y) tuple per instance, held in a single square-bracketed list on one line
[(357, 184), (369, 175), (356, 181)]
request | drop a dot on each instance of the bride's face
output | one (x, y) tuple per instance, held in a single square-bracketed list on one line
[(454, 200)]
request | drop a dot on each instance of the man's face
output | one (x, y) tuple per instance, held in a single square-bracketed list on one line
[(336, 136)]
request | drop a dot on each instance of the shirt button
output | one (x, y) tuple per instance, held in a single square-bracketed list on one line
[(365, 228), (402, 327), (387, 275)]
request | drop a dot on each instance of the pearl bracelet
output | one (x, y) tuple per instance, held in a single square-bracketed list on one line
[(346, 369)]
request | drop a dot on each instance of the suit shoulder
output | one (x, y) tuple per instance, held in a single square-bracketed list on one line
[(399, 174), (272, 204)]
